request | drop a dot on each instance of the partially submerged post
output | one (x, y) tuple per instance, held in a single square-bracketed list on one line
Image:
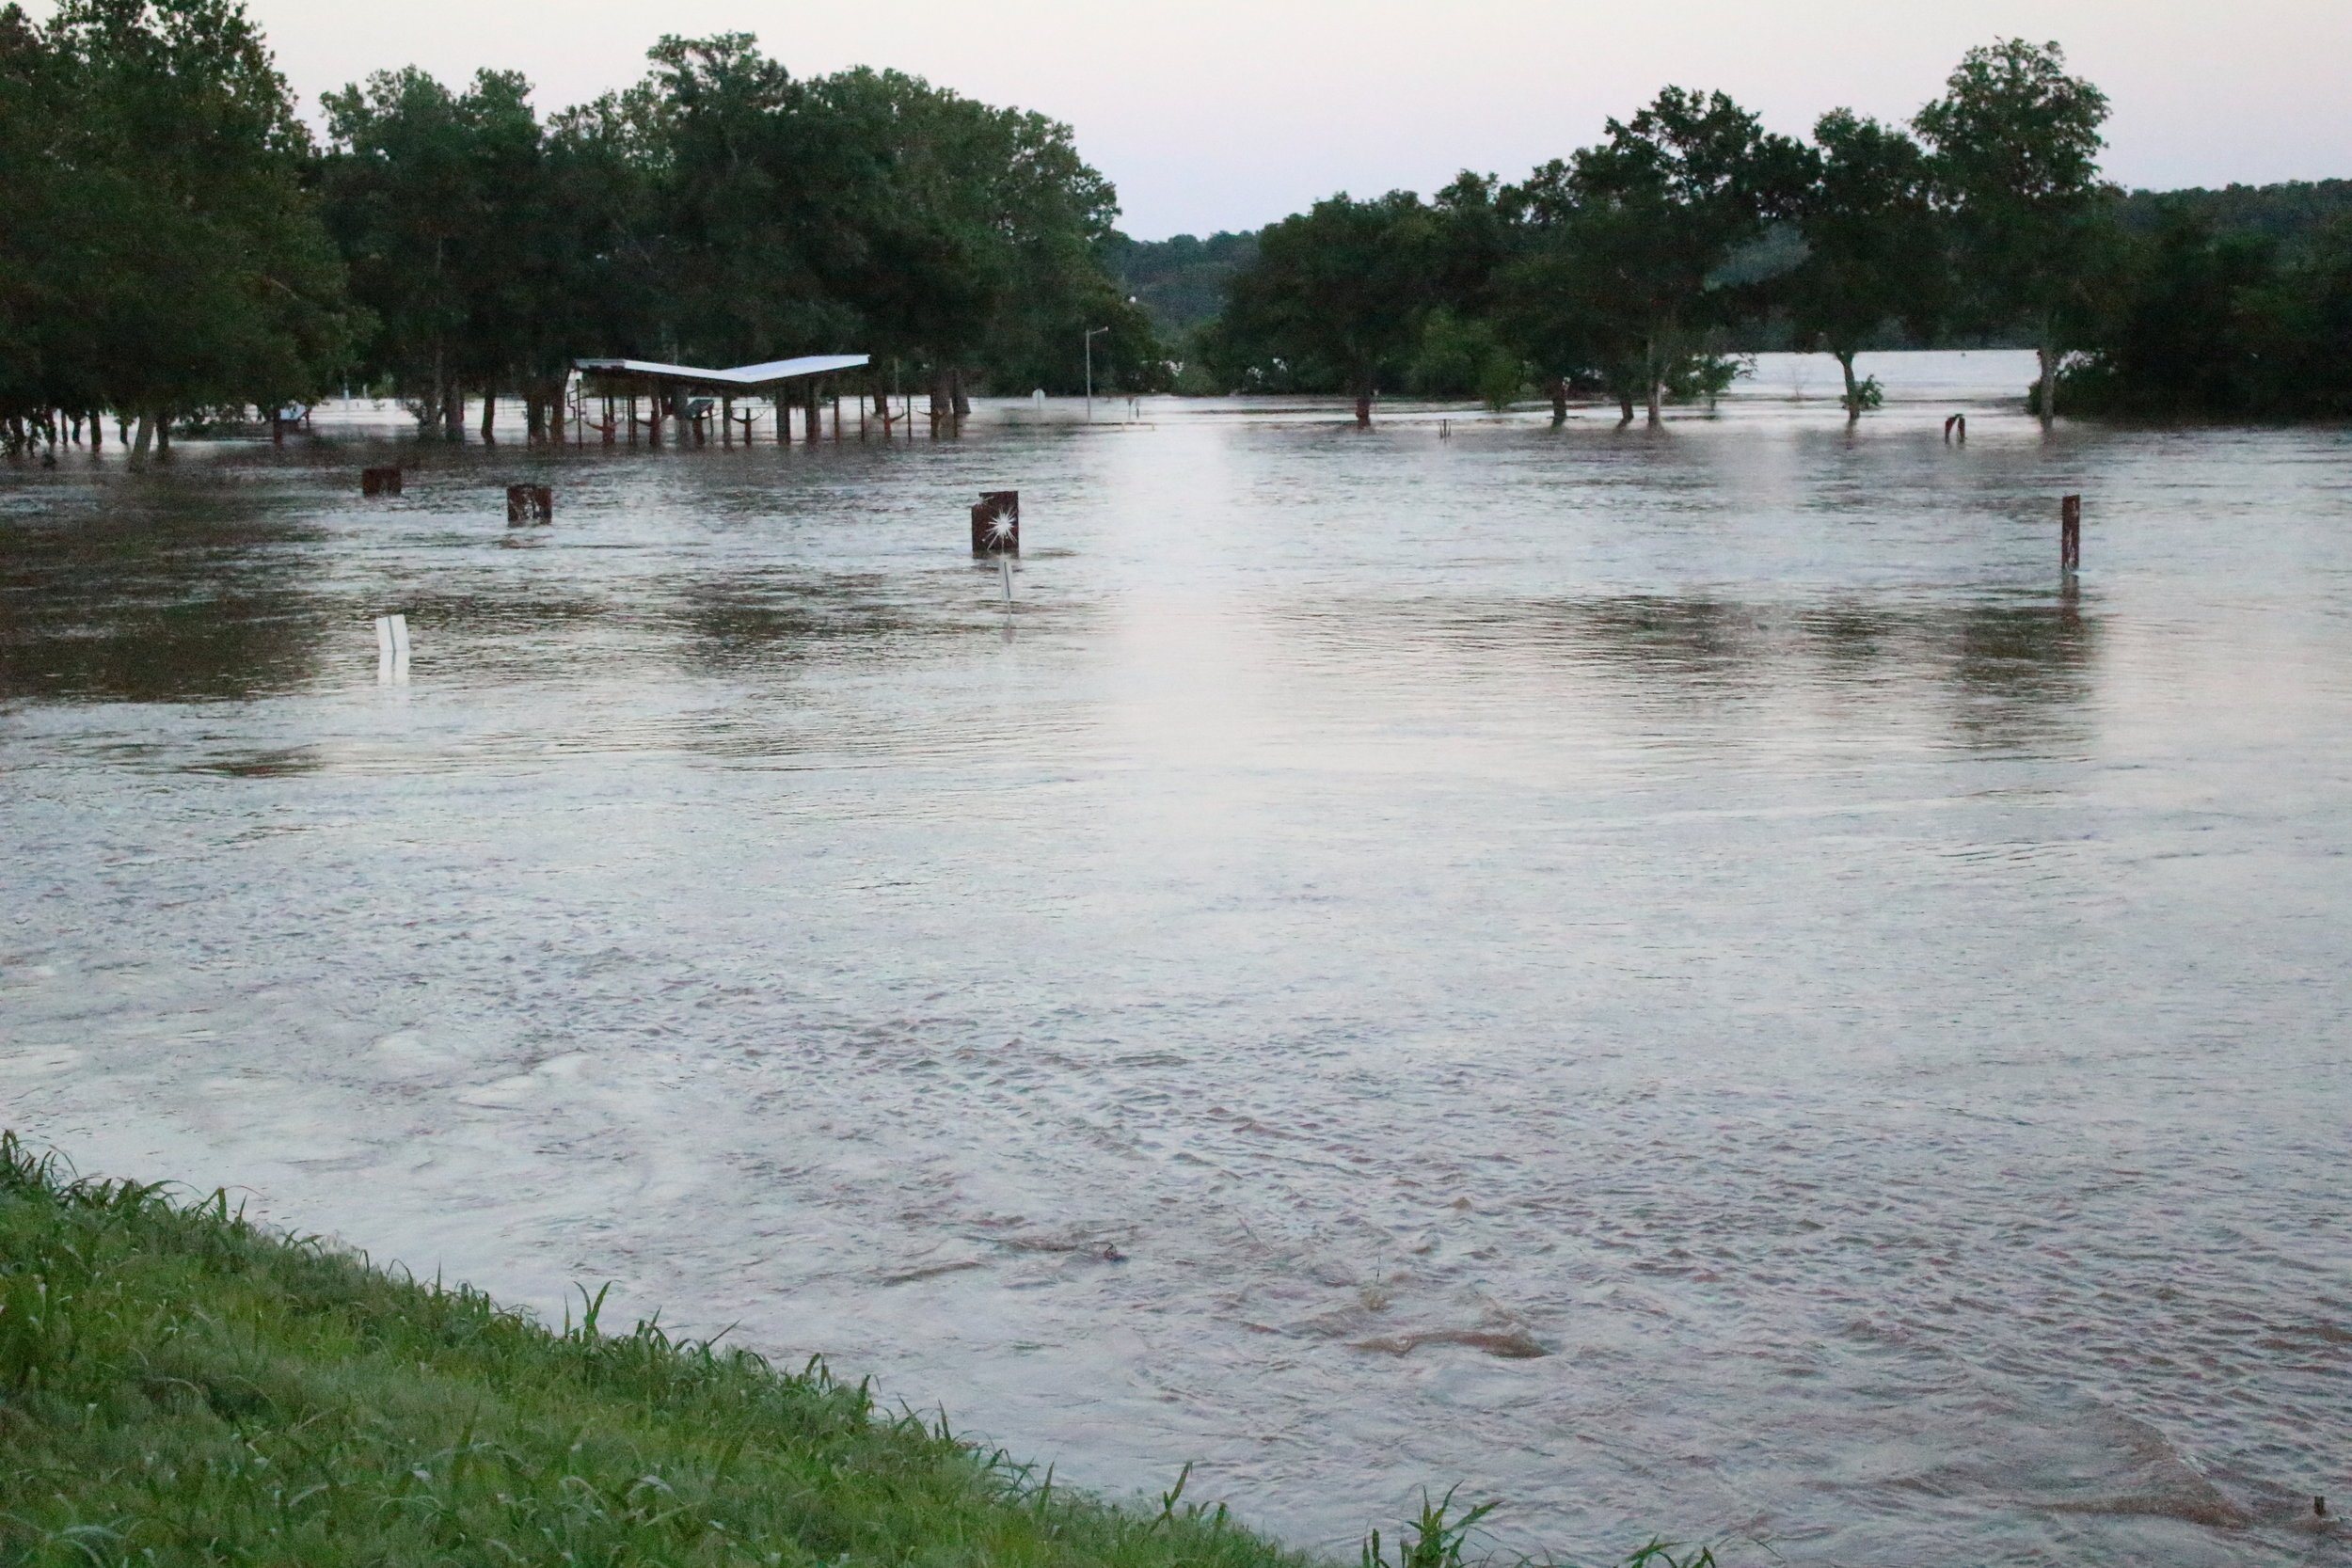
[(1956, 425), (529, 503), (391, 648), (996, 523), (379, 481), (2071, 533)]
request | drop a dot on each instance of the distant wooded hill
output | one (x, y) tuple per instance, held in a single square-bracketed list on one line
[(1180, 283), (2290, 214)]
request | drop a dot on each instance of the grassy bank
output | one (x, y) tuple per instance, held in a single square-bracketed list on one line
[(180, 1386)]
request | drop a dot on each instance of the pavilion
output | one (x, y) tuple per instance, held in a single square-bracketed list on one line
[(672, 390)]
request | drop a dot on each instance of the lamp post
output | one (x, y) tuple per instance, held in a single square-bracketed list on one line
[(1091, 331)]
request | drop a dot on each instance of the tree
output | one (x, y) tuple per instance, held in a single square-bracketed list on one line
[(405, 198), (1873, 249), (1558, 300), (1335, 296), (171, 257), (2016, 148), (1644, 224)]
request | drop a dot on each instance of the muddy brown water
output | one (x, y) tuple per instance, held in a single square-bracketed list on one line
[(1681, 980)]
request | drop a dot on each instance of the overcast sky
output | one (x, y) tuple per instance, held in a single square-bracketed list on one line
[(1227, 114)]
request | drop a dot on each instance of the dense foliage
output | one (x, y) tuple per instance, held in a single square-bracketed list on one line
[(159, 254), (172, 242), (1630, 269), (720, 212)]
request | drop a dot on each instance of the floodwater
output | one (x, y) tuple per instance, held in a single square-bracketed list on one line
[(1679, 980)]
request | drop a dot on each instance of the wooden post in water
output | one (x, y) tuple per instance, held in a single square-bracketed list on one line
[(2071, 533), (529, 503), (379, 481), (996, 523)]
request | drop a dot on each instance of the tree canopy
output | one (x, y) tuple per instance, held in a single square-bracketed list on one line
[(1632, 267), (173, 243), (159, 253)]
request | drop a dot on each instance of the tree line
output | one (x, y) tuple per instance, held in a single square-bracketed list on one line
[(175, 245), (1629, 269)]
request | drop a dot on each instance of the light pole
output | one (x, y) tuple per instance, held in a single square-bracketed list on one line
[(1091, 335)]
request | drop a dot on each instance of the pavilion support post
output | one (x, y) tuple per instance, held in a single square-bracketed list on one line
[(784, 417), (836, 416), (727, 421)]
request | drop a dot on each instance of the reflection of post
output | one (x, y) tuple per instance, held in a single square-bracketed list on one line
[(2071, 533)]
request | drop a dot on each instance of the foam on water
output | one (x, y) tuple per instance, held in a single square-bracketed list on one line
[(1675, 979)]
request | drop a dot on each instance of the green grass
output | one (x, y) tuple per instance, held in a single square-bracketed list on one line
[(180, 1386)]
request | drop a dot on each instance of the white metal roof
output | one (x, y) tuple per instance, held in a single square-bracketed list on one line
[(741, 375)]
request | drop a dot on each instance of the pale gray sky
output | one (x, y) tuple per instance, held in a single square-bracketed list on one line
[(1226, 114)]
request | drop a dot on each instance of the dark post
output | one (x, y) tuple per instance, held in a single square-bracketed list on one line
[(2071, 533), (379, 481), (1955, 424), (996, 523), (529, 503)]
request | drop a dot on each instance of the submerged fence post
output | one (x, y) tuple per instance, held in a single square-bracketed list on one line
[(2071, 533)]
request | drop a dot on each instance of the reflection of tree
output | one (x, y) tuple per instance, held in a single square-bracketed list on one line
[(184, 608), (2010, 673), (2020, 670), (729, 626)]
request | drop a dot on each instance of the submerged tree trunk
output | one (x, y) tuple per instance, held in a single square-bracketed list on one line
[(1363, 410), (1853, 391), (163, 433), (452, 411), (490, 415), (2045, 399), (962, 402), (1557, 390)]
